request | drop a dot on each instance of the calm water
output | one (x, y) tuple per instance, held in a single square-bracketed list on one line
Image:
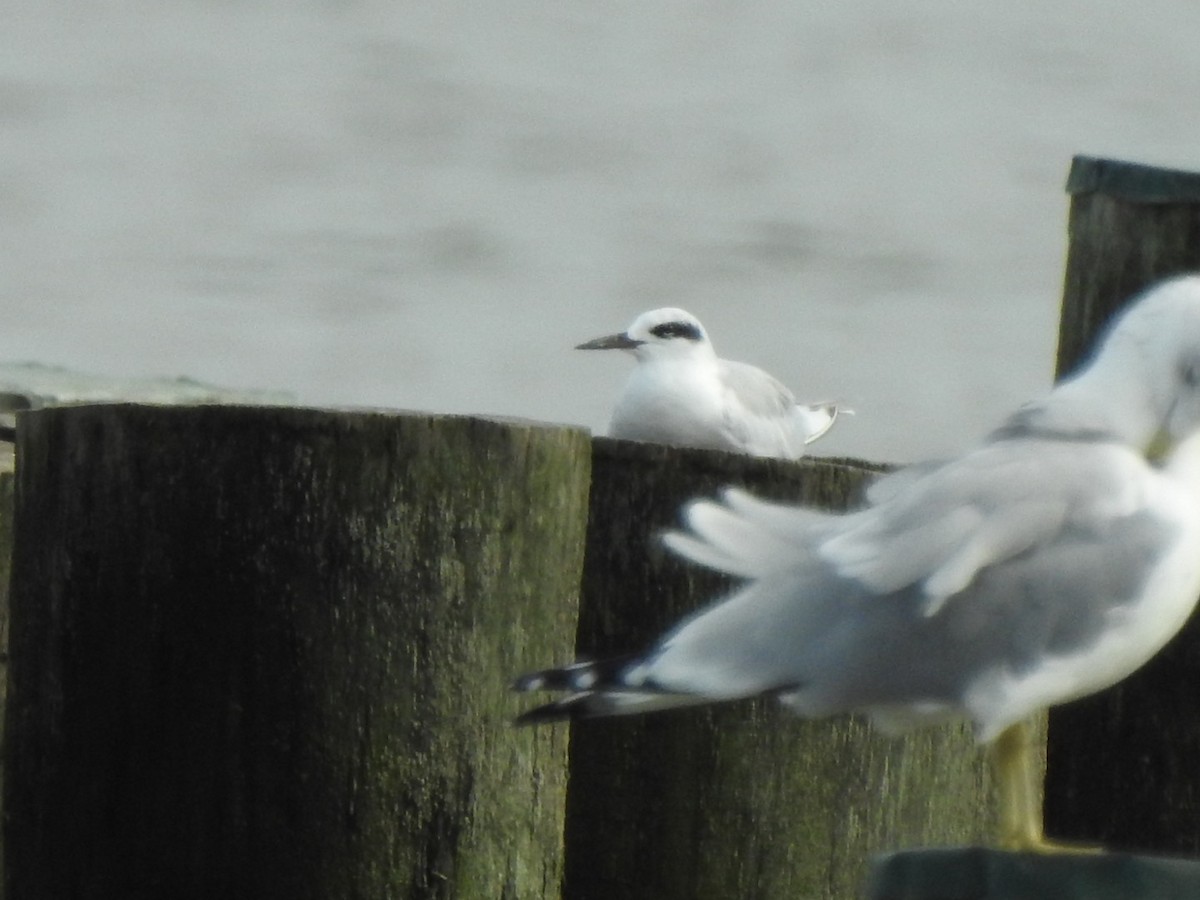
[(426, 205)]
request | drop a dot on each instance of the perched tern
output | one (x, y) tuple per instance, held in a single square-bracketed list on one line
[(680, 392), (1046, 564)]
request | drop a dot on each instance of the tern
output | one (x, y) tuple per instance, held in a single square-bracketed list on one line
[(680, 392)]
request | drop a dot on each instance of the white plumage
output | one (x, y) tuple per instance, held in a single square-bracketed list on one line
[(681, 393)]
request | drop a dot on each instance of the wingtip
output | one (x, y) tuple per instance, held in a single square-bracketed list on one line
[(530, 681), (819, 428), (548, 713)]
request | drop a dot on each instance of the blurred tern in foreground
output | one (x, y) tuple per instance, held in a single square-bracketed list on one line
[(1046, 564), (681, 393)]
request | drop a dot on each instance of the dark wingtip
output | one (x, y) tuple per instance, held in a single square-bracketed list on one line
[(523, 684), (547, 679), (546, 714), (582, 675), (583, 682)]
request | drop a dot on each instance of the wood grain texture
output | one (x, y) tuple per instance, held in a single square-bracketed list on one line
[(741, 800), (265, 653)]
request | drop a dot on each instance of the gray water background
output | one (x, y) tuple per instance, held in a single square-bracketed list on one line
[(426, 205)]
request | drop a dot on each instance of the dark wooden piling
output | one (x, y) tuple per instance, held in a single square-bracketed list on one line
[(1129, 225), (7, 483), (742, 800), (1122, 767), (265, 653)]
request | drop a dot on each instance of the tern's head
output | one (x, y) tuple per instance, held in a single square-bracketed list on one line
[(667, 333)]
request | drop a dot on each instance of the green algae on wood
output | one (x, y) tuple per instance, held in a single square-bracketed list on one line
[(265, 652), (742, 800)]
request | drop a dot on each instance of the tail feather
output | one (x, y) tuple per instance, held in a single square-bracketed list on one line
[(743, 536)]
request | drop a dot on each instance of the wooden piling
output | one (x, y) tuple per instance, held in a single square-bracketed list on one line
[(265, 653), (7, 483), (1122, 764), (1129, 225), (742, 800)]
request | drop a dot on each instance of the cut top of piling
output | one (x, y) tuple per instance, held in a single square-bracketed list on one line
[(1133, 182)]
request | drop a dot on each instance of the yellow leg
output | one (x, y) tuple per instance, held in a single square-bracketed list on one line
[(1020, 799)]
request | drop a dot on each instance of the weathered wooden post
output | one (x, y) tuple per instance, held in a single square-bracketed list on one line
[(265, 653), (6, 529), (1122, 765), (742, 800), (1129, 226)]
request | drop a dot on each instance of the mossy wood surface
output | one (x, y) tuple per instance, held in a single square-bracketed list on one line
[(265, 653), (741, 800), (1122, 765)]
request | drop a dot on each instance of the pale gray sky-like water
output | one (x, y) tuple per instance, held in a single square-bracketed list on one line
[(427, 205)]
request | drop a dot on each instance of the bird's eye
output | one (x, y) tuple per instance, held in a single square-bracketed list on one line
[(685, 330)]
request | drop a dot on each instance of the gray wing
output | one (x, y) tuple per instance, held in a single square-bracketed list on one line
[(837, 646), (763, 417), (1008, 497), (935, 526), (755, 391), (1020, 548)]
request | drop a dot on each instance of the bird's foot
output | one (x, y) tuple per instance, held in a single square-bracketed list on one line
[(1030, 842)]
